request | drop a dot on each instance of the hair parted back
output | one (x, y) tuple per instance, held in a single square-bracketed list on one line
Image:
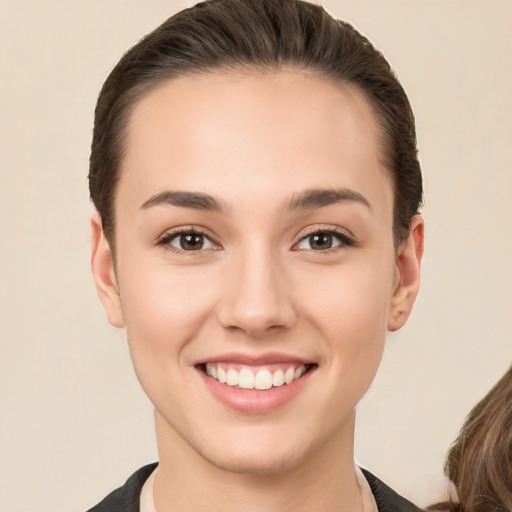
[(260, 35), (479, 463)]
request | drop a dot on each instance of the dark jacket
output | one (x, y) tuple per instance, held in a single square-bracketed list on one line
[(126, 498)]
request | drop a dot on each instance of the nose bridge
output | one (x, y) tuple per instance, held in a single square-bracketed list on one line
[(259, 296)]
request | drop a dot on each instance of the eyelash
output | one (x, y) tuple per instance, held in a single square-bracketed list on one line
[(166, 238), (344, 239)]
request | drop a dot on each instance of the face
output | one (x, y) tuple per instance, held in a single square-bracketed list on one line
[(255, 273)]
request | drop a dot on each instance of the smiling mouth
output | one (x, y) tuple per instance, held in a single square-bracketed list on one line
[(255, 378)]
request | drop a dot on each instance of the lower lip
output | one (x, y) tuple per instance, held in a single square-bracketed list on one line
[(253, 400)]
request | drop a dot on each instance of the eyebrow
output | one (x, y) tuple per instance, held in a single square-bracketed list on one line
[(195, 200), (307, 200), (319, 198)]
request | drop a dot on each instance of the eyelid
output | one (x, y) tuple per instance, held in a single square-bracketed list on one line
[(164, 239), (344, 236)]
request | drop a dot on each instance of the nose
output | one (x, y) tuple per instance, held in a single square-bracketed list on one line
[(257, 297)]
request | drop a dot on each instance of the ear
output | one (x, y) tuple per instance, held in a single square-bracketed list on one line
[(408, 264), (102, 264)]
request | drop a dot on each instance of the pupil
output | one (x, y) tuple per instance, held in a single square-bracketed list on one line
[(321, 241), (191, 242)]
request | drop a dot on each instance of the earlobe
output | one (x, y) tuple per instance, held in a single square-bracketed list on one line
[(102, 264), (408, 263)]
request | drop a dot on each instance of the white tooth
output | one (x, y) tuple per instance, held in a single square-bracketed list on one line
[(208, 369), (214, 372), (278, 378), (299, 372), (263, 380), (232, 377), (221, 375), (246, 379), (288, 376)]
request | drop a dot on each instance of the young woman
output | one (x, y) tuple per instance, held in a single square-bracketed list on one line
[(479, 464), (255, 174)]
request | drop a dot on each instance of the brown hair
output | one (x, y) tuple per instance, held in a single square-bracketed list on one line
[(264, 35), (479, 462)]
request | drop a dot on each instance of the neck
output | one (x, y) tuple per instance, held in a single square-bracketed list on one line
[(323, 480)]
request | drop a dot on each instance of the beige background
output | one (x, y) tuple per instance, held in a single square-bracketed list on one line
[(73, 421)]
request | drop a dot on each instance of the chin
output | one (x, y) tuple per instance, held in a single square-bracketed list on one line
[(255, 462), (265, 451)]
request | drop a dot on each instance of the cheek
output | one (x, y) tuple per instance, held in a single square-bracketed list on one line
[(165, 306), (350, 310), (352, 300)]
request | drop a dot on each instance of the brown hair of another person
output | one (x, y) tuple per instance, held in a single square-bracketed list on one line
[(479, 462), (262, 36)]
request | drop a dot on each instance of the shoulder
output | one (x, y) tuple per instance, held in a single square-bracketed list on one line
[(388, 500), (126, 497)]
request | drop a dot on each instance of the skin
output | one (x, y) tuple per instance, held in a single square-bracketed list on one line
[(255, 142)]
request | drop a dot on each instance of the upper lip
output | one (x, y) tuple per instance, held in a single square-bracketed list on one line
[(255, 359)]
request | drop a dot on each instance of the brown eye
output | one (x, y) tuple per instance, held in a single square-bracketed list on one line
[(320, 241), (323, 241), (190, 242)]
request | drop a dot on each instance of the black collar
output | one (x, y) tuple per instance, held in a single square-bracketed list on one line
[(126, 498)]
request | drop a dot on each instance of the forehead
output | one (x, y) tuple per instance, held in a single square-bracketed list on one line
[(252, 134)]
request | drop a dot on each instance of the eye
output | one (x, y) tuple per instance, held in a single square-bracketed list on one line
[(323, 241), (189, 241)]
